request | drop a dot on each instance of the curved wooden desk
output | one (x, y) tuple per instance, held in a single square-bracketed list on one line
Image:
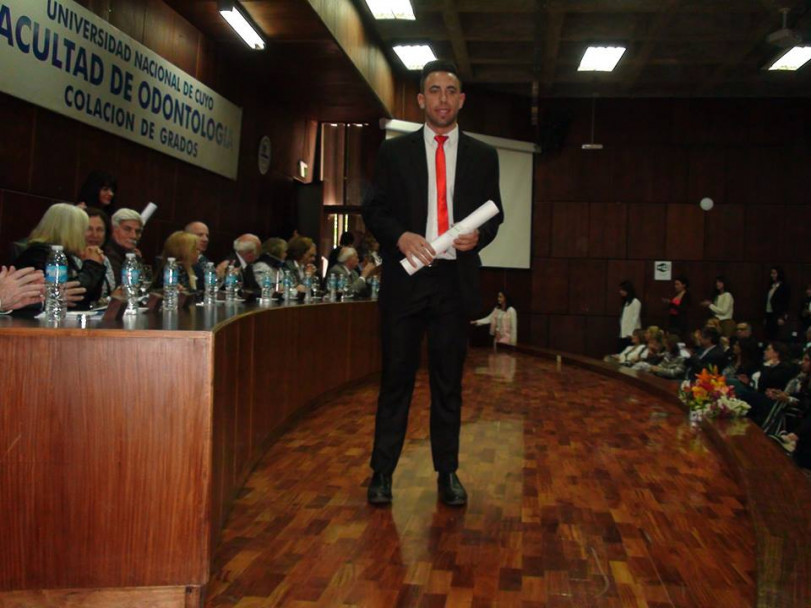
[(778, 494), (123, 445)]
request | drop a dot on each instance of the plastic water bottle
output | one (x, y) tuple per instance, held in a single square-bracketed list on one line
[(210, 292), (342, 287), (374, 282), (279, 280), (56, 275), (332, 287), (170, 286), (267, 289), (287, 285), (308, 285), (231, 283), (130, 281)]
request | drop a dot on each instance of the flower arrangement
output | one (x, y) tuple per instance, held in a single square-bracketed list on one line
[(709, 396)]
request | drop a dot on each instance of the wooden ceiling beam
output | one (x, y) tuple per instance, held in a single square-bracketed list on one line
[(457, 37), (554, 28), (660, 22)]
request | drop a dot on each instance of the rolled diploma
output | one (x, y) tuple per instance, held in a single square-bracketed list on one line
[(147, 212), (445, 241)]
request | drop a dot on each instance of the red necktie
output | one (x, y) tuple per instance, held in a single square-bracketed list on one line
[(441, 190)]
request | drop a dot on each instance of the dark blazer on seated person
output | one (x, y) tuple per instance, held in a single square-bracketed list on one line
[(90, 276), (711, 357)]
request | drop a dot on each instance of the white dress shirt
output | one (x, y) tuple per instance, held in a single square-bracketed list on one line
[(450, 146)]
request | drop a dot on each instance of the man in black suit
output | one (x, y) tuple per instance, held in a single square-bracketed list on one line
[(710, 354), (423, 182)]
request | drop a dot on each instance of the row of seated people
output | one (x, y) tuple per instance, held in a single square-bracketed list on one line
[(95, 261), (769, 377)]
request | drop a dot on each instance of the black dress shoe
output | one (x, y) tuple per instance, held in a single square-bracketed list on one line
[(451, 491), (379, 492)]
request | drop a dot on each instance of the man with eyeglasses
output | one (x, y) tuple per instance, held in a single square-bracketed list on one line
[(127, 229)]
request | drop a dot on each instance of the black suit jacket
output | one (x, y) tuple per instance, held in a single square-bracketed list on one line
[(397, 202)]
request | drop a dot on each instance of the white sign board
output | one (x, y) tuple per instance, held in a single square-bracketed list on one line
[(662, 271), (60, 56)]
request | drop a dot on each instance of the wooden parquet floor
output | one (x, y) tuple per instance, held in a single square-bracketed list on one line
[(584, 492)]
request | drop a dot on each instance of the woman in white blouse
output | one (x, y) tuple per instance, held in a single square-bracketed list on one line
[(503, 321), (722, 306), (630, 317)]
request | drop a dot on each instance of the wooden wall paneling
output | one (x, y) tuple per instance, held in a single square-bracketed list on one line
[(757, 175), (706, 174), (570, 230), (587, 289), (764, 233), (226, 362), (130, 17), (568, 333), (631, 174), (542, 230), (550, 286), (245, 399), (557, 175), (207, 57), (159, 29), (798, 159), (56, 140), (685, 232), (709, 122), (724, 227), (602, 333), (646, 231), (185, 44), (748, 286), (518, 286), (608, 230), (134, 179), (96, 152), (20, 213), (197, 196), (773, 122), (624, 270), (16, 145), (538, 330), (623, 121), (70, 467)]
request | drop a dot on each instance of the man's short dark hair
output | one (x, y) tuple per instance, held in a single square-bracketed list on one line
[(438, 65), (711, 334)]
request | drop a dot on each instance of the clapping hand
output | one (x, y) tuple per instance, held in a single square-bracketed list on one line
[(19, 288), (74, 293)]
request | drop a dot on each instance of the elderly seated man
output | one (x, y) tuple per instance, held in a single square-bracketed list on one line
[(127, 229), (254, 264), (347, 265)]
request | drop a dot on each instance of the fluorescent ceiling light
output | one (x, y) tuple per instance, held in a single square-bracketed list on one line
[(601, 58), (793, 59), (391, 9), (242, 26), (414, 56)]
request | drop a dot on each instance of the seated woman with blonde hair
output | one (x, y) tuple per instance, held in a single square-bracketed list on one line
[(182, 246), (65, 225)]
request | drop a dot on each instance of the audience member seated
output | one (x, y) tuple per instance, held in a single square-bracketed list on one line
[(673, 363), (276, 251), (300, 256), (708, 353), (98, 190), (774, 373), (746, 359), (503, 321), (182, 246), (246, 254), (631, 353), (96, 236), (800, 443), (200, 230), (127, 229), (66, 225), (347, 265), (370, 250), (347, 240), (20, 287), (790, 405), (651, 356)]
